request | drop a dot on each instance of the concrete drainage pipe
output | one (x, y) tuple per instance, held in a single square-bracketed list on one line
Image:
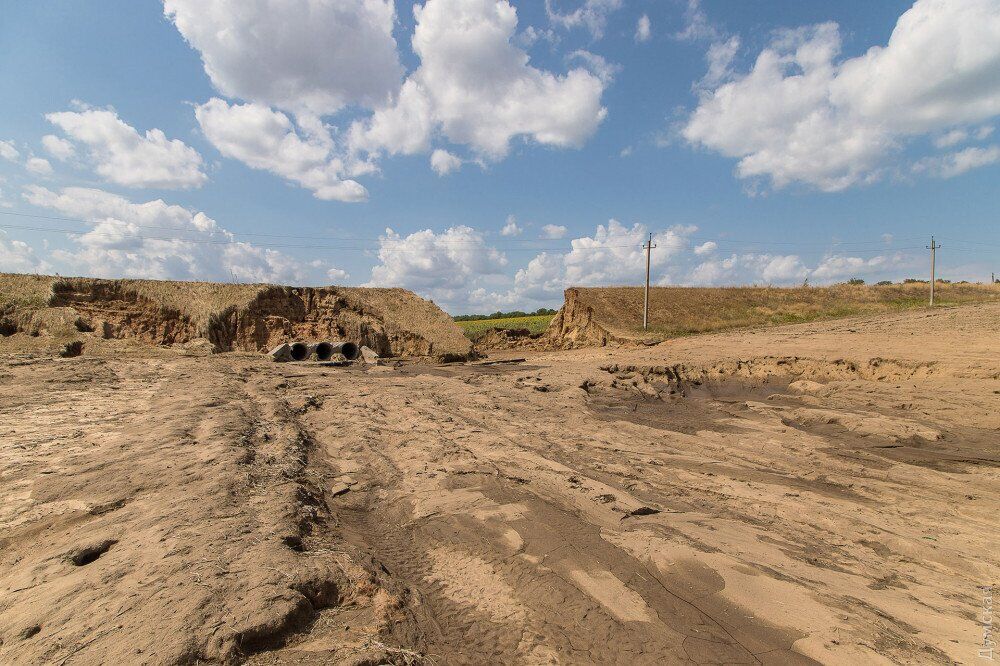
[(321, 351), (299, 351), (350, 350)]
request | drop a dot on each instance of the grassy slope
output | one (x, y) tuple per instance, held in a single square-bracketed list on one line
[(477, 327), (676, 311)]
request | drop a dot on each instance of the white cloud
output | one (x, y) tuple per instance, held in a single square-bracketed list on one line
[(957, 163), (444, 266), (8, 151), (511, 228), (38, 166), (643, 29), (267, 140), (598, 65), (720, 59), (122, 156), (474, 85), (708, 247), (157, 240), (553, 231), (613, 255), (951, 138), (754, 268), (802, 115), (696, 24), (305, 56), (984, 132), (19, 257), (531, 35), (477, 88), (61, 149), (592, 14), (443, 162), (337, 274)]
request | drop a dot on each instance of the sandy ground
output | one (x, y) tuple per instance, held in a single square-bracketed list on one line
[(815, 493)]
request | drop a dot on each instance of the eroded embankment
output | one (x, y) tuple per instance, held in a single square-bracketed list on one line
[(393, 322), (599, 316), (802, 394), (875, 369), (576, 325)]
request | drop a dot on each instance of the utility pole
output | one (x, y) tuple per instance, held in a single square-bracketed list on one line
[(933, 248), (648, 247)]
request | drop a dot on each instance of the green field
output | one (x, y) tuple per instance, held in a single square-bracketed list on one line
[(476, 327)]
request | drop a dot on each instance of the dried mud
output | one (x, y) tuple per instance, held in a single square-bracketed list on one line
[(815, 493)]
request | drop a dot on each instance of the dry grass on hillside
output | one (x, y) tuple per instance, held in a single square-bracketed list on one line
[(676, 311), (409, 312), (17, 290), (198, 300)]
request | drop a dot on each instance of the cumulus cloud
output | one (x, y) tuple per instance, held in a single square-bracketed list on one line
[(643, 29), (476, 87), (312, 56), (8, 151), (61, 149), (598, 65), (443, 162), (592, 15), (613, 255), (268, 140), (337, 274), (157, 240), (957, 163), (306, 59), (764, 268), (19, 257), (38, 166), (708, 247), (553, 231), (122, 156), (720, 57), (803, 114), (444, 266), (511, 228)]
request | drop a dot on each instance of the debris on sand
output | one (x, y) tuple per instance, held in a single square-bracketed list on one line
[(369, 355)]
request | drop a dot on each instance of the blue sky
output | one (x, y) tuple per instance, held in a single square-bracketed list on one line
[(766, 143)]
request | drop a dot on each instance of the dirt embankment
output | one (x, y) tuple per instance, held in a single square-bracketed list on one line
[(599, 316), (393, 322)]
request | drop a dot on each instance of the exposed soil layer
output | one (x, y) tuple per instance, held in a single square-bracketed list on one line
[(599, 316), (813, 493), (393, 322)]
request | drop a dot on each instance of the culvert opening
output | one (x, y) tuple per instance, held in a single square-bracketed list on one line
[(350, 350), (299, 351), (324, 350), (88, 554)]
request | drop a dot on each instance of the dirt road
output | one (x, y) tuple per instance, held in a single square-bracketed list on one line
[(816, 493)]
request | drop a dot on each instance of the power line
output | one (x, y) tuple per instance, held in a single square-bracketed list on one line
[(345, 248), (382, 240)]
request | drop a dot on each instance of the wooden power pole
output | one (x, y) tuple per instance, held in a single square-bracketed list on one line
[(933, 248), (648, 247)]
